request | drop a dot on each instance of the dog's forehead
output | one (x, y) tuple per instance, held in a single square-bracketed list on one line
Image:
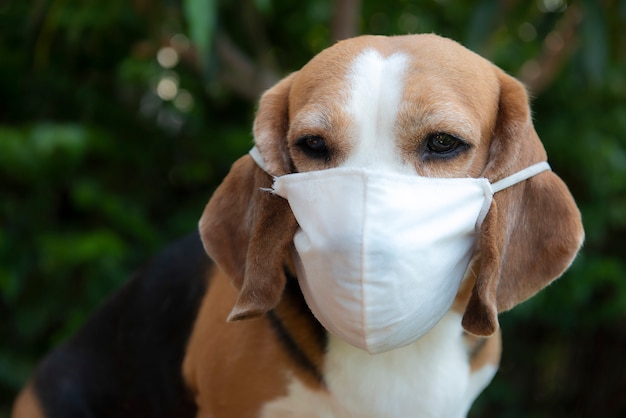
[(431, 63)]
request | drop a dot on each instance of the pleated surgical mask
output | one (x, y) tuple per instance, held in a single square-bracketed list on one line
[(380, 256)]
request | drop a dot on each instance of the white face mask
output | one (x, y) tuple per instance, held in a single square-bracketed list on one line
[(380, 256)]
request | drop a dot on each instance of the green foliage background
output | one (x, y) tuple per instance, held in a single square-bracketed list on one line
[(97, 172)]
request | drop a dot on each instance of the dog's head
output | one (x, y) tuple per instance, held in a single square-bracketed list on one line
[(415, 104)]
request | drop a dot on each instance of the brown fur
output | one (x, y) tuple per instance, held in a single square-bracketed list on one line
[(245, 355), (27, 405), (212, 368)]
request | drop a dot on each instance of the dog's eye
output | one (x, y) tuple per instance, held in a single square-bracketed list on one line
[(442, 143), (313, 146)]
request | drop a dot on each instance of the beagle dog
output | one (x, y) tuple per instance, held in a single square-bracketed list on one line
[(231, 335)]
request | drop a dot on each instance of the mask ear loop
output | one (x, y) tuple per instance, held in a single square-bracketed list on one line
[(509, 181), (520, 176), (258, 159)]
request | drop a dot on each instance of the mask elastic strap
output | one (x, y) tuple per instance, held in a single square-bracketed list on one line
[(520, 176)]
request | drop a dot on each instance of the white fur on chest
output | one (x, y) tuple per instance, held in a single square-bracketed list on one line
[(429, 378)]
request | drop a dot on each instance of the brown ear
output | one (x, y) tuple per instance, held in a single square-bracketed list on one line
[(271, 125), (533, 229), (246, 229)]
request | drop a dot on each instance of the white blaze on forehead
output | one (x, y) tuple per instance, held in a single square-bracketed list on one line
[(376, 90)]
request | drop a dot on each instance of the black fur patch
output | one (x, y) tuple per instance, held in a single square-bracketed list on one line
[(292, 290), (126, 361)]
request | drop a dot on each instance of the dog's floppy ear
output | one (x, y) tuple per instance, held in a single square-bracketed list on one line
[(246, 229), (533, 230), (271, 125)]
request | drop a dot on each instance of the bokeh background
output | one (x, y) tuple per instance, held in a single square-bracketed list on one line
[(118, 118)]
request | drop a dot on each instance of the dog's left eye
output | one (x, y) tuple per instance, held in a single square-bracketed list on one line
[(442, 143), (313, 146)]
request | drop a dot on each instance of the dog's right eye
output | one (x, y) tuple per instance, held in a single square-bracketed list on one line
[(313, 146)]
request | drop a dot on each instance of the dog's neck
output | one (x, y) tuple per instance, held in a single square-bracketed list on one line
[(429, 378)]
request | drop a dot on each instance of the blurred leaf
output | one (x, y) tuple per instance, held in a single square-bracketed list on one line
[(595, 40), (481, 24), (201, 16), (13, 369), (264, 6), (67, 250)]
